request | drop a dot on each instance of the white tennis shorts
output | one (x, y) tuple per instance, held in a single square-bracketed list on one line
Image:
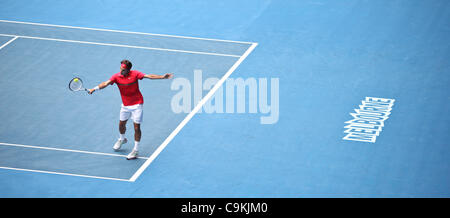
[(134, 111)]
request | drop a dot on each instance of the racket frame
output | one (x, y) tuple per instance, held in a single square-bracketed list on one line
[(82, 87)]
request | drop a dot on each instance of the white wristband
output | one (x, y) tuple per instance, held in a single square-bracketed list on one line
[(96, 88)]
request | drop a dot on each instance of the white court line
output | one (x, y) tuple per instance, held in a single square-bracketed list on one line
[(62, 149), (58, 173), (14, 38), (119, 45), (191, 114), (120, 31)]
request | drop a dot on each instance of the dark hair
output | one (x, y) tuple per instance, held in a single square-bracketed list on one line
[(128, 63)]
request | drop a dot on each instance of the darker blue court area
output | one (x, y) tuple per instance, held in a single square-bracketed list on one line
[(328, 56)]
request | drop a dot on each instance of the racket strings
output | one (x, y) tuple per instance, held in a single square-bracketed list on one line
[(76, 84)]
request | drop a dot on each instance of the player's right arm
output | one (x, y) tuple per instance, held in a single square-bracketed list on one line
[(101, 86)]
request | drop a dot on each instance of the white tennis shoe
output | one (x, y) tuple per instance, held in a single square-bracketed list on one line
[(119, 144), (132, 155)]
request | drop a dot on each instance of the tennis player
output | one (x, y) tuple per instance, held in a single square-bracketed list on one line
[(132, 101)]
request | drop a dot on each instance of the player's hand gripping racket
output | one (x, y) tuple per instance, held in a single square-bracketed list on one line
[(76, 84)]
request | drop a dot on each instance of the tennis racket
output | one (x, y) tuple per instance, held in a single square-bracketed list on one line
[(76, 84)]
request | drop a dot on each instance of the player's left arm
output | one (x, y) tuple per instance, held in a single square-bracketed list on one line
[(154, 76)]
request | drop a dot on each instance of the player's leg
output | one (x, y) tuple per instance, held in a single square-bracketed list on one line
[(137, 132), (122, 128), (137, 139), (124, 116), (137, 116)]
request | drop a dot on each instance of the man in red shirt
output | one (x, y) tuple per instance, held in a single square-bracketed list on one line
[(132, 101)]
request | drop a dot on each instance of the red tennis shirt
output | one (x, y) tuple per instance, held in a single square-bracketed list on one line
[(129, 87)]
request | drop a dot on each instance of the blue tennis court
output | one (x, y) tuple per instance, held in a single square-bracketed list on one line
[(330, 98), (53, 43)]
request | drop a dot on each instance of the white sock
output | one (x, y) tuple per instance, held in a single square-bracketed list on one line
[(122, 137), (136, 145)]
